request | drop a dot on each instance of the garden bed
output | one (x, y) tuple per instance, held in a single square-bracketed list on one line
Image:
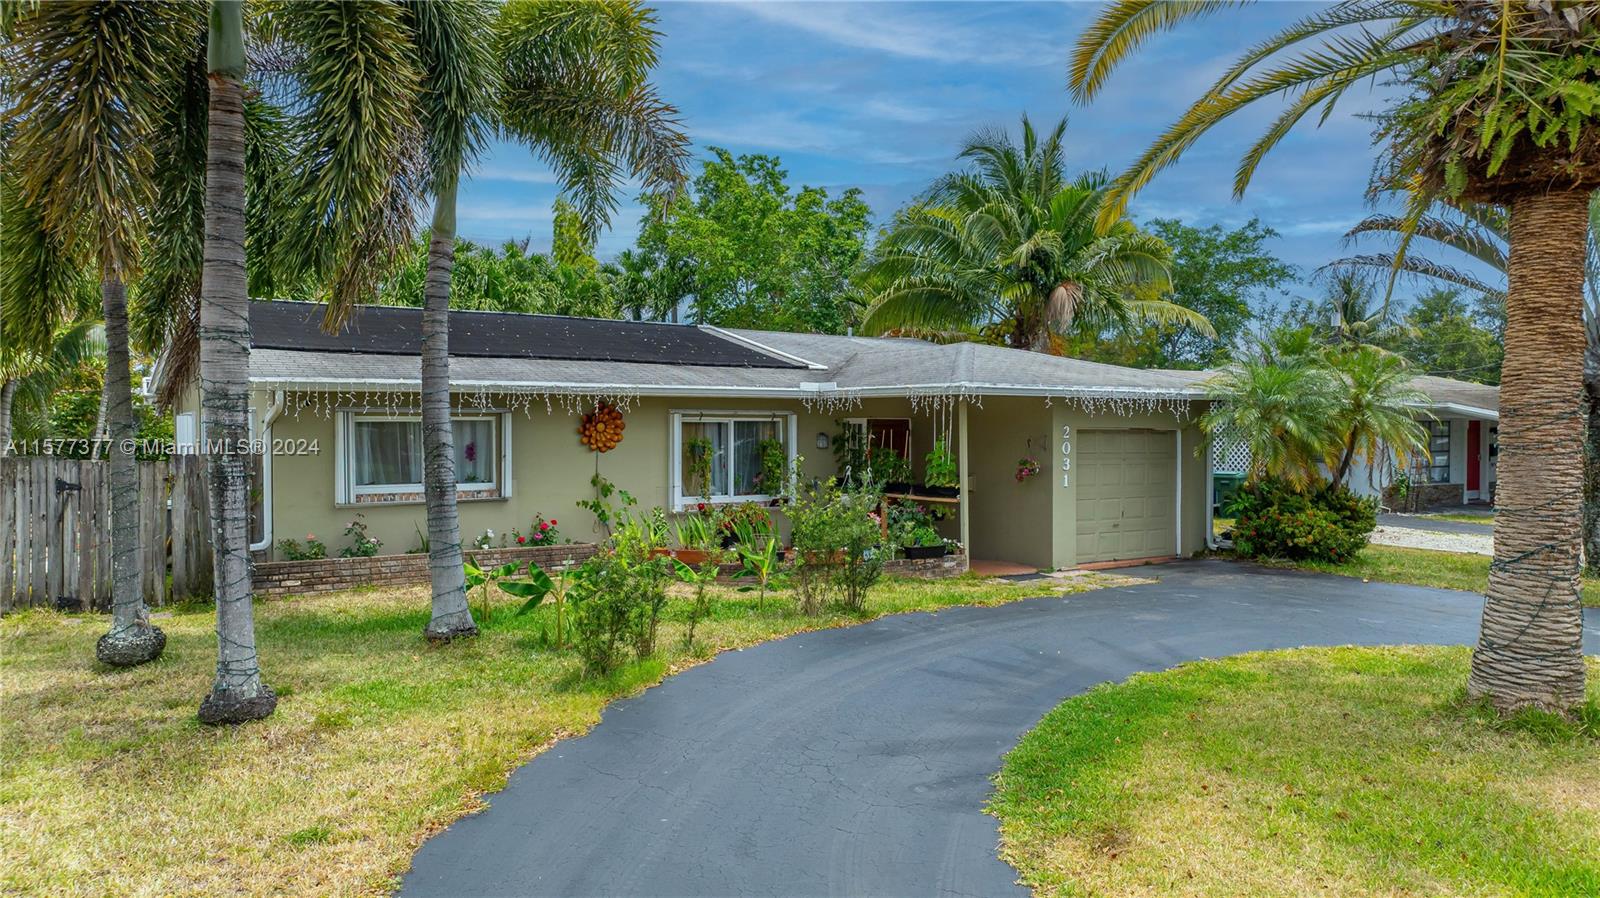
[(274, 578)]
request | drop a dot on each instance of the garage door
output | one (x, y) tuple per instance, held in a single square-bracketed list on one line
[(1127, 488)]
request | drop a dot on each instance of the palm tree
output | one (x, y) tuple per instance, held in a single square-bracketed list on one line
[(1282, 410), (28, 378), (1375, 411), (1481, 232), (1496, 108), (84, 125), (570, 81), (1352, 320), (1012, 245)]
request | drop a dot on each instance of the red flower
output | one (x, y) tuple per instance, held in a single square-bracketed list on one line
[(544, 525), (521, 540), (552, 522), (700, 505)]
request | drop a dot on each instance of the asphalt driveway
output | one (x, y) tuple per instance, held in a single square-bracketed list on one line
[(857, 761)]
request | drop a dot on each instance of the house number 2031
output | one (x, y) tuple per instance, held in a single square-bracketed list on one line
[(1066, 455)]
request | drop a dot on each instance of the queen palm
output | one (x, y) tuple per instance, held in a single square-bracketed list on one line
[(1012, 246), (1498, 107), (1281, 410), (1375, 412)]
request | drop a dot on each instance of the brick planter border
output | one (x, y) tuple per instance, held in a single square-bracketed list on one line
[(277, 578)]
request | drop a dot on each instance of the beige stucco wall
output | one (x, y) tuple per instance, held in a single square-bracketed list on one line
[(1032, 522)]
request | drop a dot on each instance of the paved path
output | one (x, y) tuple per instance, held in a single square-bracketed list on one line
[(1416, 532), (857, 761), (1419, 522)]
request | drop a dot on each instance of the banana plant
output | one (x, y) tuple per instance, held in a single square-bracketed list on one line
[(540, 585), (760, 556), (480, 579), (700, 578)]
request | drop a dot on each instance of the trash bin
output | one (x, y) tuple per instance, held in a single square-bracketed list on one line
[(1223, 486)]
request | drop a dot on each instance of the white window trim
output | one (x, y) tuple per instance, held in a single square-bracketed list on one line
[(346, 489), (788, 424)]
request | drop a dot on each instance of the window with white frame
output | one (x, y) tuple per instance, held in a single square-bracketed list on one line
[(1438, 451), (384, 456), (724, 457)]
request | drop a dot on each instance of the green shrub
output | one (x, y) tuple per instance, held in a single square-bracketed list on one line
[(836, 538), (1272, 520), (617, 595)]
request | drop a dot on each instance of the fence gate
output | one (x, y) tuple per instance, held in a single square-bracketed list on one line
[(55, 531)]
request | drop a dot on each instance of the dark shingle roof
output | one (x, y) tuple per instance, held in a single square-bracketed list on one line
[(397, 330)]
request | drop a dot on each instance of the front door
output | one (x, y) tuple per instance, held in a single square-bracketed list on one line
[(1474, 461)]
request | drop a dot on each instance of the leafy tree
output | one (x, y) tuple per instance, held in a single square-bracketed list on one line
[(1443, 336), (1011, 246), (1222, 275), (1496, 103), (745, 250)]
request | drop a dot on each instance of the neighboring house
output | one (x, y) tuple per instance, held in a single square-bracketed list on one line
[(1461, 420), (1121, 477)]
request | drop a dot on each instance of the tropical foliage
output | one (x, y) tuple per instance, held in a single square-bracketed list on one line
[(1496, 103), (744, 249), (1010, 249)]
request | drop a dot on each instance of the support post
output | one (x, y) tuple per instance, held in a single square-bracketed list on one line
[(966, 486)]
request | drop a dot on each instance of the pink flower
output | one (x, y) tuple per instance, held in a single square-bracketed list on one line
[(310, 536), (544, 525)]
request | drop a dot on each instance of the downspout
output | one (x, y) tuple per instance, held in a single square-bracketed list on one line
[(274, 411)]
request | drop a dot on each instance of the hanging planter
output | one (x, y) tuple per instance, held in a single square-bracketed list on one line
[(602, 428)]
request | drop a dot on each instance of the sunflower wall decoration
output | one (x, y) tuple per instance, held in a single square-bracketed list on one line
[(602, 428)]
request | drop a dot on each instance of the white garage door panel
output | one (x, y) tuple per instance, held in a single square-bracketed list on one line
[(1127, 506)]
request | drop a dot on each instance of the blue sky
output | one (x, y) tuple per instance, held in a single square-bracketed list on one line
[(880, 95)]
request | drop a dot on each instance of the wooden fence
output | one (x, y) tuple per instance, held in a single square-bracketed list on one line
[(55, 531)]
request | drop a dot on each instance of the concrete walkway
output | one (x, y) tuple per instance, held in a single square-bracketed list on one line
[(857, 761)]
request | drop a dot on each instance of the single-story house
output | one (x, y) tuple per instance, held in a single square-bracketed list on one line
[(1461, 420), (1121, 472)]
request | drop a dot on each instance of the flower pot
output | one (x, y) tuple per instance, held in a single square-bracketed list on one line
[(917, 552), (939, 492), (691, 557)]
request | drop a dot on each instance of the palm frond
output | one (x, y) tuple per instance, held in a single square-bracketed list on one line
[(1120, 30)]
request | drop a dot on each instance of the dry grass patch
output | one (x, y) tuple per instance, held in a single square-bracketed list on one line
[(1348, 772), (109, 786)]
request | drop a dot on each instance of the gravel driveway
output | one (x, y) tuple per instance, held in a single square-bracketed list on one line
[(1416, 532)]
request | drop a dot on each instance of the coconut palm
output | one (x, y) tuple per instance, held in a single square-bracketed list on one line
[(1012, 245), (1496, 106), (82, 127)]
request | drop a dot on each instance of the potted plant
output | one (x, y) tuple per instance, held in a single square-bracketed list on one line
[(774, 476), (940, 475), (891, 469), (923, 542), (698, 453)]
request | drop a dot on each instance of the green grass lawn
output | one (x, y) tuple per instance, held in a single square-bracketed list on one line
[(109, 786), (1422, 567), (1461, 517), (1344, 772)]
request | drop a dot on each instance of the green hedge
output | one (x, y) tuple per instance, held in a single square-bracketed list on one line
[(1272, 520)]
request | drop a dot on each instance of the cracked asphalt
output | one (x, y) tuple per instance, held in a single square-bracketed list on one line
[(857, 761)]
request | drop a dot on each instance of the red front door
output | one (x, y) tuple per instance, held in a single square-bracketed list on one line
[(1474, 443)]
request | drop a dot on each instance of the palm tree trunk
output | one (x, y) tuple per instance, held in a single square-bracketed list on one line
[(1530, 646), (8, 394), (452, 616), (132, 639), (1591, 464), (237, 694)]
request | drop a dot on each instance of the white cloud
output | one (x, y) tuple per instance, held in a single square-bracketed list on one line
[(899, 29)]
